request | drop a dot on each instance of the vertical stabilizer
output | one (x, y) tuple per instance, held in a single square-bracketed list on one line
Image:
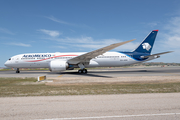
[(147, 44)]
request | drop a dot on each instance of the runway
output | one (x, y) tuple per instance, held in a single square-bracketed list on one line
[(99, 107), (110, 72)]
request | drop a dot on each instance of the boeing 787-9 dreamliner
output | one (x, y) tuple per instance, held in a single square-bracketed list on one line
[(57, 62)]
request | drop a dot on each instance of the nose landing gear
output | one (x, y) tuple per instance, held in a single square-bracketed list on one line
[(17, 70)]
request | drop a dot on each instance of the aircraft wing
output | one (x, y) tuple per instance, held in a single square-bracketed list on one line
[(90, 55), (156, 54)]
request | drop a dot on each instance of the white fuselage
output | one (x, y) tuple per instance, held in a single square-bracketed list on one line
[(42, 60)]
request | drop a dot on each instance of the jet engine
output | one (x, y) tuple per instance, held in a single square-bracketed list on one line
[(57, 66)]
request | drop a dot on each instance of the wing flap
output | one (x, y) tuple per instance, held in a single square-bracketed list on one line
[(90, 55)]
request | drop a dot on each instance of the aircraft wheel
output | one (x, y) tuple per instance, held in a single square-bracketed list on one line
[(80, 71), (84, 71), (17, 71)]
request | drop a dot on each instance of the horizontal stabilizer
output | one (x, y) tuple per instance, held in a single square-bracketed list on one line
[(156, 55)]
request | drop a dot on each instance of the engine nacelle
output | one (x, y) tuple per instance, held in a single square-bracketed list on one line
[(57, 66)]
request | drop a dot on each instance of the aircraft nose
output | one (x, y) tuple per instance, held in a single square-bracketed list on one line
[(6, 63)]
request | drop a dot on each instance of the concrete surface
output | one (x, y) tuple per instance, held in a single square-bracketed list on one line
[(100, 107)]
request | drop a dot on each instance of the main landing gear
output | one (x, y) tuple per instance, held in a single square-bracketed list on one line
[(17, 70), (84, 71)]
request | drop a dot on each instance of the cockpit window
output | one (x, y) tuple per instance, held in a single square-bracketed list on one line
[(9, 58)]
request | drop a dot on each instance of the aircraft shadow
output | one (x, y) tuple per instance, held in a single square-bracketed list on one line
[(88, 74)]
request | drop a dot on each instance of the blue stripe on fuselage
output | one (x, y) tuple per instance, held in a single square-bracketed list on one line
[(135, 55)]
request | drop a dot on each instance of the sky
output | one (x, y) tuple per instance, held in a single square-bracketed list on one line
[(41, 26)]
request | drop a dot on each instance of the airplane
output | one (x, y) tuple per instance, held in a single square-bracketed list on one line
[(58, 62)]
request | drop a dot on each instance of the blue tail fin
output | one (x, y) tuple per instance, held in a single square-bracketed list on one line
[(147, 44)]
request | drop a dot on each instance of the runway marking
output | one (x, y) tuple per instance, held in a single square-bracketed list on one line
[(60, 76), (104, 117)]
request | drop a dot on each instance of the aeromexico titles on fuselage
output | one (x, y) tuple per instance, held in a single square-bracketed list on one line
[(41, 57), (36, 55)]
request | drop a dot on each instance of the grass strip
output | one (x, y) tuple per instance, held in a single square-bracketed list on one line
[(14, 87)]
